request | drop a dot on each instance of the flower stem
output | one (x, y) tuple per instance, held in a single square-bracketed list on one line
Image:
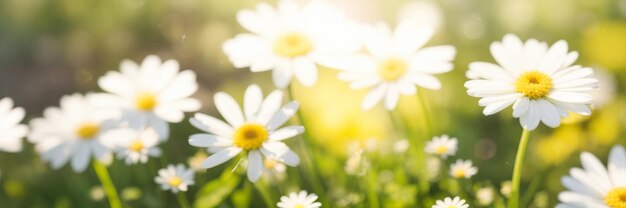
[(264, 194), (517, 170), (107, 184), (372, 188), (425, 114), (182, 200)]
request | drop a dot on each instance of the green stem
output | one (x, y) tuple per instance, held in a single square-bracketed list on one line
[(420, 143), (372, 188), (310, 172), (264, 194), (517, 170), (182, 200), (107, 184), (425, 113)]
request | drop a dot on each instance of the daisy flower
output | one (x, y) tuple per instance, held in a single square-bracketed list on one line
[(463, 169), (151, 94), (299, 200), (396, 63), (132, 145), (539, 81), (175, 178), (11, 131), (443, 146), (290, 40), (448, 202), (72, 132), (255, 131), (595, 185)]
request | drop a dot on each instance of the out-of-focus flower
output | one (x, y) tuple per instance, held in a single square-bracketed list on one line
[(150, 94), (401, 146), (72, 132), (594, 185), (448, 202), (605, 127), (463, 169), (274, 169), (424, 13), (605, 44), (485, 196), (299, 200), (96, 193), (290, 40), (396, 63), (540, 82), (11, 131), (255, 131), (131, 193), (433, 167), (132, 145), (195, 162), (175, 178), (505, 188), (357, 164), (606, 91), (442, 146)]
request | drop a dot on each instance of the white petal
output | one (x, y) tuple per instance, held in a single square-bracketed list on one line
[(282, 73), (212, 125), (171, 115), (571, 97), (305, 70), (617, 166), (392, 97), (220, 157), (228, 107), (270, 105), (549, 113), (283, 115), (81, 157), (255, 165), (426, 81), (374, 96), (596, 170), (285, 133), (252, 101), (208, 140)]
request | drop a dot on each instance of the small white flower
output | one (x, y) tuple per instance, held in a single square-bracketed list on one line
[(540, 82), (290, 40), (299, 200), (72, 132), (448, 202), (175, 178), (443, 146), (11, 131), (485, 196), (132, 145), (150, 94), (595, 185), (396, 63), (401, 146), (463, 169), (254, 131)]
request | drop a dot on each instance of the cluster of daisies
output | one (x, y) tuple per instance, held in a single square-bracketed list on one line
[(131, 117)]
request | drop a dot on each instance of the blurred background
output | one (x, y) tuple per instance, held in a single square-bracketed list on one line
[(50, 48)]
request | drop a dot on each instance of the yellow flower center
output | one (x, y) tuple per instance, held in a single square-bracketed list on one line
[(298, 206), (452, 206), (534, 84), (145, 101), (136, 146), (459, 173), (616, 198), (87, 130), (174, 181), (391, 69), (250, 136), (293, 44), (441, 150)]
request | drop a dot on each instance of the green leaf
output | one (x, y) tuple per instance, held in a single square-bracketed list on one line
[(213, 193)]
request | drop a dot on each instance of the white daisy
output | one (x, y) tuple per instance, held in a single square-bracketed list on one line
[(11, 131), (396, 63), (72, 131), (255, 131), (290, 40), (443, 146), (299, 200), (151, 94), (595, 185), (539, 81), (132, 145), (463, 169), (175, 178), (448, 202)]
